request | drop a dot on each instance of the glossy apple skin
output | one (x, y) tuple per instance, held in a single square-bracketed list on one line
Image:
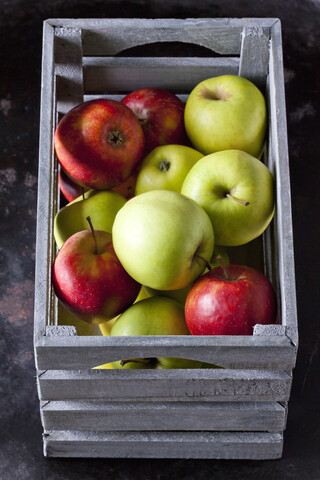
[(99, 143), (154, 316), (93, 287), (226, 112), (101, 206), (245, 177), (219, 306), (159, 237), (165, 168), (161, 114)]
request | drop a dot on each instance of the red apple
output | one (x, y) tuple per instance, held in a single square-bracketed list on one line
[(89, 280), (99, 143), (161, 115), (230, 301), (68, 187), (72, 190)]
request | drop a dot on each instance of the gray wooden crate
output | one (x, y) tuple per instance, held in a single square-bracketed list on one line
[(79, 64)]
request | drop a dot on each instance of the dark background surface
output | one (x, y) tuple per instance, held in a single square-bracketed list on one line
[(20, 53)]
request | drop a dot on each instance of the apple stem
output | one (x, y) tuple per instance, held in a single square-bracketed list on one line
[(164, 165), (94, 237), (134, 360), (223, 265), (228, 195), (205, 261), (82, 192)]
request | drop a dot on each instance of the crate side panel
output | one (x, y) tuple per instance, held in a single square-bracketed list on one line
[(45, 205), (218, 385), (279, 152), (145, 416), (271, 352), (255, 446)]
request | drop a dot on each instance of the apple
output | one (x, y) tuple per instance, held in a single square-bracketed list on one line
[(89, 280), (163, 239), (224, 113), (230, 300), (153, 316), (83, 328), (72, 190), (99, 143), (181, 294), (161, 115), (236, 191), (105, 328), (101, 206), (68, 187), (165, 168)]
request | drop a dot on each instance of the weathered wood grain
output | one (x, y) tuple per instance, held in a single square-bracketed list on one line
[(68, 68), (244, 445), (111, 36), (125, 74), (146, 416), (279, 152), (216, 385), (273, 352), (254, 55)]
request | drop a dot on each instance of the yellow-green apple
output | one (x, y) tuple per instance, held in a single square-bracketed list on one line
[(165, 168), (89, 280), (230, 300), (153, 316), (163, 239), (101, 206), (236, 191), (161, 115), (224, 113), (105, 328), (83, 328), (181, 294), (99, 143)]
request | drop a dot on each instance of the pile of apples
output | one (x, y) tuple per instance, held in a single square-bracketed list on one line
[(157, 189)]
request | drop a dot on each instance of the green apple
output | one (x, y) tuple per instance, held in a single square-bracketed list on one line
[(153, 316), (165, 168), (83, 328), (163, 239), (101, 206), (236, 191), (106, 327), (226, 112), (181, 294)]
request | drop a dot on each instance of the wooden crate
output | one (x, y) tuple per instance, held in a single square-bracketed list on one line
[(235, 412)]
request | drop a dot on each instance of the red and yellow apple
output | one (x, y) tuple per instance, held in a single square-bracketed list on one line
[(230, 301), (99, 143), (161, 115), (89, 280)]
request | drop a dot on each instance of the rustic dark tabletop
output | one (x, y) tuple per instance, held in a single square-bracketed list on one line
[(20, 53)]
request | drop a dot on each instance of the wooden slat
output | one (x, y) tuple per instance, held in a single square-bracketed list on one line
[(217, 385), (111, 36), (254, 55), (115, 96), (146, 416), (255, 446), (125, 74), (273, 352), (279, 151), (45, 207)]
